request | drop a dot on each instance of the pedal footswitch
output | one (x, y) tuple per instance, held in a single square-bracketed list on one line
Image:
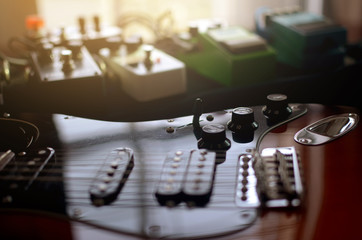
[(111, 177)]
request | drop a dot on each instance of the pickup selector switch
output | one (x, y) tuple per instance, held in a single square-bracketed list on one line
[(277, 108), (242, 124), (213, 137)]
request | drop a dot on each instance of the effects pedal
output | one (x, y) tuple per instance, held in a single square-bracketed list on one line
[(94, 36), (303, 40), (145, 72), (69, 70), (229, 55)]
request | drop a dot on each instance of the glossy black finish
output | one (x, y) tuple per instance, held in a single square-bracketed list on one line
[(82, 145)]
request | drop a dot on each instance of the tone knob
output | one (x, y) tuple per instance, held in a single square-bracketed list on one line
[(213, 137), (277, 108), (242, 124)]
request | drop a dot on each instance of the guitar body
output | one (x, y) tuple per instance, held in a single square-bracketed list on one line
[(332, 174), (60, 205)]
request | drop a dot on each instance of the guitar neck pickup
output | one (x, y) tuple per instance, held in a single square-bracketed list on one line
[(111, 177)]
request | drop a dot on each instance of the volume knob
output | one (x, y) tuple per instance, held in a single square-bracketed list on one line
[(277, 108), (213, 137), (242, 124)]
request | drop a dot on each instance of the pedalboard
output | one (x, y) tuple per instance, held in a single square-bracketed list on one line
[(146, 73)]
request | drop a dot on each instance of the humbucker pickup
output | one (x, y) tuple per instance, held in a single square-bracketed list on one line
[(271, 179), (112, 176), (186, 177)]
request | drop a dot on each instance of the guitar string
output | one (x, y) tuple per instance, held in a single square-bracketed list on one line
[(134, 196), (61, 163)]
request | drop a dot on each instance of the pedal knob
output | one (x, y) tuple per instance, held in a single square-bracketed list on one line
[(76, 47), (82, 27), (46, 52), (213, 137), (97, 23), (114, 43), (148, 60), (242, 124), (66, 57), (277, 107), (133, 43)]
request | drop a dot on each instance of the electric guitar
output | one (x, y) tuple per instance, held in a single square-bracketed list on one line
[(241, 173)]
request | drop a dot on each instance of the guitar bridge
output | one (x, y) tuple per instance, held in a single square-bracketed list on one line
[(271, 179)]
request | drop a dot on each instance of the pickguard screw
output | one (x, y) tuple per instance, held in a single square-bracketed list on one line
[(154, 230), (77, 212), (170, 130)]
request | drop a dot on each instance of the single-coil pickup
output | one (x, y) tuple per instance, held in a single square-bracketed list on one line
[(111, 177)]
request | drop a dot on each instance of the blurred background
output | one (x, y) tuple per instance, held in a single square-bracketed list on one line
[(57, 13), (331, 85)]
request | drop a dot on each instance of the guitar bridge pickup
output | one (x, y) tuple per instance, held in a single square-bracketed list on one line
[(186, 177), (271, 179), (111, 177)]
